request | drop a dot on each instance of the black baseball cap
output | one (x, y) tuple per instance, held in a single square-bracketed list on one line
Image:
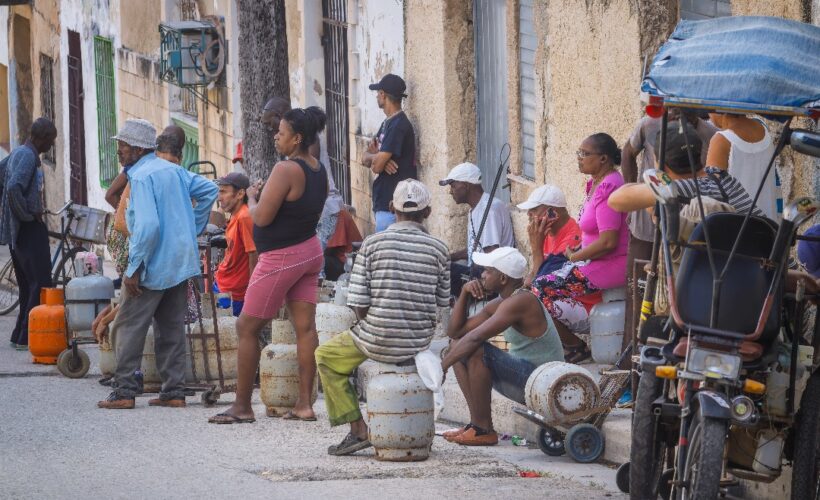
[(677, 153), (391, 84), (235, 179)]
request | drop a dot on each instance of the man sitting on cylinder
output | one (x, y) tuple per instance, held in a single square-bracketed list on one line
[(480, 366), (399, 278)]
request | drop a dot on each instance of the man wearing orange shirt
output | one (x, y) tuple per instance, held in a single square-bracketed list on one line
[(551, 230), (235, 270)]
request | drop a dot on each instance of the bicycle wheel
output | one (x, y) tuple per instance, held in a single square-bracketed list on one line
[(9, 292), (65, 268)]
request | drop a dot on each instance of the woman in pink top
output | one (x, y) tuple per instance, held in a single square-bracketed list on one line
[(600, 263)]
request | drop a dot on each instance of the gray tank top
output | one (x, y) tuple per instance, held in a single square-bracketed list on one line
[(536, 350)]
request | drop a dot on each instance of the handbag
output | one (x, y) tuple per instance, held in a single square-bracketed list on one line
[(119, 216)]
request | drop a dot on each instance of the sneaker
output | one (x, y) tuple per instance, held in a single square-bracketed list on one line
[(116, 402), (471, 437), (350, 444), (626, 400), (449, 435), (169, 403)]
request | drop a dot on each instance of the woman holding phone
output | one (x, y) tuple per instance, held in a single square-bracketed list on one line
[(568, 293), (551, 230)]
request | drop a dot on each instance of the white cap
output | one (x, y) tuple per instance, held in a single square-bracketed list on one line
[(548, 195), (465, 172), (410, 191), (507, 260)]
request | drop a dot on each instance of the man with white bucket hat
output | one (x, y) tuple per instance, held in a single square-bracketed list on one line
[(162, 256), (480, 366)]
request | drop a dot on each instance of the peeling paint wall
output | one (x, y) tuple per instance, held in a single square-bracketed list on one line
[(89, 19), (376, 45)]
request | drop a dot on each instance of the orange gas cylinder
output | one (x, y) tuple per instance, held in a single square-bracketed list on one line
[(46, 328)]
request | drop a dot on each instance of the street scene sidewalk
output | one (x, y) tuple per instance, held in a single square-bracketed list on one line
[(68, 443)]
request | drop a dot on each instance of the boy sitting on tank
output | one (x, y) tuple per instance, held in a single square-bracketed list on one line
[(480, 366), (399, 278)]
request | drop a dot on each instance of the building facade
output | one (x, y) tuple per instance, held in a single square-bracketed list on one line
[(540, 75)]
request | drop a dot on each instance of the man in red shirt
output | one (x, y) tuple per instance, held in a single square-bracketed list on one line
[(551, 230), (235, 270)]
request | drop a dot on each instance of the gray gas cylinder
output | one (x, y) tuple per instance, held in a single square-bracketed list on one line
[(400, 414), (606, 326), (80, 315)]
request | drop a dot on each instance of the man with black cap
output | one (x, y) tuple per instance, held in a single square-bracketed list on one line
[(392, 153), (235, 270)]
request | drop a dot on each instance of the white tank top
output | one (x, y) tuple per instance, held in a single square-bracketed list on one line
[(747, 164)]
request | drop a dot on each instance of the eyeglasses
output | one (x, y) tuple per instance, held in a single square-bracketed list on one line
[(581, 154)]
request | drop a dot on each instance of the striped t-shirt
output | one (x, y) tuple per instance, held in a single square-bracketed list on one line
[(715, 184), (401, 274)]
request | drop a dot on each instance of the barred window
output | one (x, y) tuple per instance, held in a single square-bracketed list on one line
[(47, 96)]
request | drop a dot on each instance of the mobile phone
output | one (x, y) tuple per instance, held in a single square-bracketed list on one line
[(551, 214)]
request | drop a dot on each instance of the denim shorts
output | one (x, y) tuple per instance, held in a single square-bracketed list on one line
[(509, 374)]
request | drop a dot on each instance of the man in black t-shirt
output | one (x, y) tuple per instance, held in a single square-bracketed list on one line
[(392, 153)]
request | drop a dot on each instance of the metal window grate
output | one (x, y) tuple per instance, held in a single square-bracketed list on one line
[(334, 39), (106, 109), (47, 96), (188, 11), (528, 43)]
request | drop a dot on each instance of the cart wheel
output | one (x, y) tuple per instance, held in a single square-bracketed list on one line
[(622, 477), (551, 441), (585, 443), (73, 366), (210, 397)]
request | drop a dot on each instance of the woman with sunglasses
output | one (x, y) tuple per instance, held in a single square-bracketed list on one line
[(600, 262)]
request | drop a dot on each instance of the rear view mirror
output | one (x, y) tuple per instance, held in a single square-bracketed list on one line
[(806, 142), (800, 210)]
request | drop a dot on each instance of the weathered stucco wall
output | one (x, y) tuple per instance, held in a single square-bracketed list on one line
[(376, 46), (137, 20), (591, 85), (440, 62)]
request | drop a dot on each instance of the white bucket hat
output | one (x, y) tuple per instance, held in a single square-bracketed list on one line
[(138, 133)]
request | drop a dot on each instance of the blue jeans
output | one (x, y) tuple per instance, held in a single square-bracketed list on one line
[(509, 373), (384, 219)]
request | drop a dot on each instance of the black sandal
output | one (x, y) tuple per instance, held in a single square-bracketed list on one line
[(350, 444), (575, 354)]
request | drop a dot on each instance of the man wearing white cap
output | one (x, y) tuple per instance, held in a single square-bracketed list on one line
[(551, 230), (480, 366), (465, 187), (399, 278)]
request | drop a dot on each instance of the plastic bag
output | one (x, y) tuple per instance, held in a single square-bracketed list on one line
[(428, 366)]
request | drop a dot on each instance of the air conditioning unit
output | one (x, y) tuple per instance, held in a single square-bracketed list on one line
[(192, 54)]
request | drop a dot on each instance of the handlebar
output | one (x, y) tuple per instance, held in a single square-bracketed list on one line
[(63, 209)]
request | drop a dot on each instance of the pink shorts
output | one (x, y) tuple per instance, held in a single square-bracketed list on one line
[(290, 273)]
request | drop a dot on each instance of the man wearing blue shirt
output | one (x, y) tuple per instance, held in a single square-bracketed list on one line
[(162, 256), (21, 222)]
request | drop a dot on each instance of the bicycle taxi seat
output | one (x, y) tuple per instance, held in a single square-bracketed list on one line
[(745, 285)]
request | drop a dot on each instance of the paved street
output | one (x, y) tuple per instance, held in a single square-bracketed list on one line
[(55, 439)]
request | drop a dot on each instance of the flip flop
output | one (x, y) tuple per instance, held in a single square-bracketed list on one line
[(227, 418), (292, 416)]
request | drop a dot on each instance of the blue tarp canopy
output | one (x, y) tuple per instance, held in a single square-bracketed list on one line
[(755, 64)]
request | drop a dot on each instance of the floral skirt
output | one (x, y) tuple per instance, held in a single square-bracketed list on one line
[(560, 292)]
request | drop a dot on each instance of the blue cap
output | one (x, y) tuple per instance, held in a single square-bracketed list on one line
[(808, 252)]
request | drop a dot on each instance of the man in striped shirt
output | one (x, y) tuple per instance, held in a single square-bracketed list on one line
[(399, 278)]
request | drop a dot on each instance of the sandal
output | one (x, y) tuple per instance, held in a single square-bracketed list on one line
[(575, 354), (350, 444), (292, 416), (227, 418)]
